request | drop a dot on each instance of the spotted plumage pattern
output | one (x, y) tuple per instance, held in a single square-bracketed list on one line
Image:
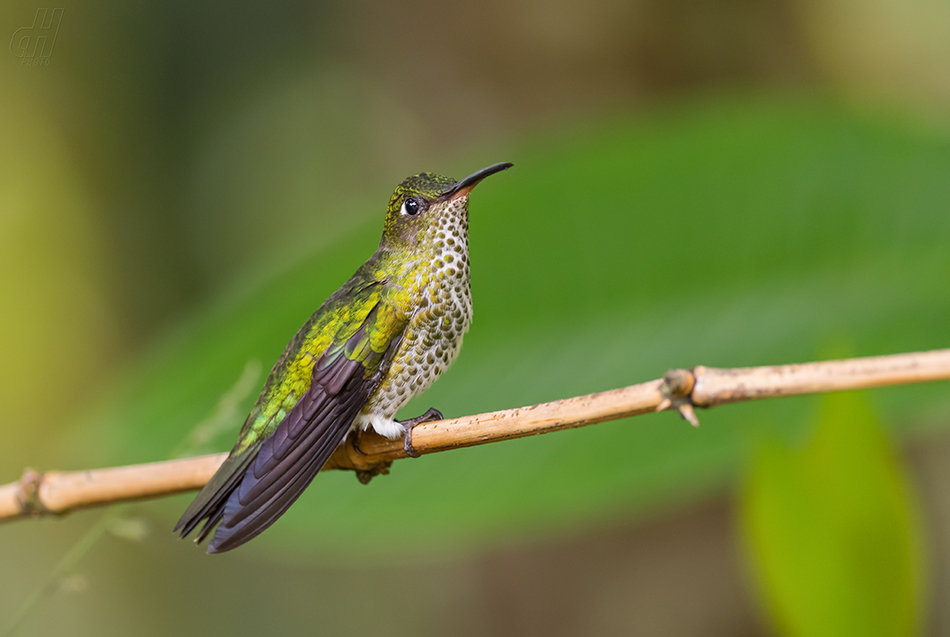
[(384, 337)]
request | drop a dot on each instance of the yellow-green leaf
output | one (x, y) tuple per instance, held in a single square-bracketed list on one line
[(831, 529)]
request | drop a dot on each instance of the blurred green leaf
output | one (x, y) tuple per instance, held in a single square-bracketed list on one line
[(731, 233), (832, 531)]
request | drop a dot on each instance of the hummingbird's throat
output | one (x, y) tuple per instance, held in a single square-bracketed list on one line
[(449, 229)]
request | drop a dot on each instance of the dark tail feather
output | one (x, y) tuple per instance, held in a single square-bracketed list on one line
[(249, 492), (209, 504), (276, 500), (210, 524), (280, 473)]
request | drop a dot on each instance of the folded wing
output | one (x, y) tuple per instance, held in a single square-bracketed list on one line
[(256, 486)]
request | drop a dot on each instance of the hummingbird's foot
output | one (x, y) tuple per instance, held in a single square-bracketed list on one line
[(356, 441), (429, 416)]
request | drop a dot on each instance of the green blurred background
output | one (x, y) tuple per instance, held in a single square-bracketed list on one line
[(722, 183)]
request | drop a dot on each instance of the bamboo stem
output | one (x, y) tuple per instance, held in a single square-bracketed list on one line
[(57, 492)]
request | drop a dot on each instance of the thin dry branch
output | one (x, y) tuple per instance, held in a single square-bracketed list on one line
[(55, 492)]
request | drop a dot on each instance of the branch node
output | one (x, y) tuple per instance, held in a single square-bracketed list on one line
[(28, 495), (676, 389), (677, 383)]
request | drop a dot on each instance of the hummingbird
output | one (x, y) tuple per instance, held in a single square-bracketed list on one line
[(384, 337)]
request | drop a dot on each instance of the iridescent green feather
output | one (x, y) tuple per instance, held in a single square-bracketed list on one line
[(338, 319)]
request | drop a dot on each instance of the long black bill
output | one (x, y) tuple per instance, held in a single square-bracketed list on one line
[(464, 186)]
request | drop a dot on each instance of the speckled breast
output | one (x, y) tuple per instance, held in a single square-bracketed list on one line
[(433, 337)]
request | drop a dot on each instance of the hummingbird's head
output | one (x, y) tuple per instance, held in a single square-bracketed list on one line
[(427, 201)]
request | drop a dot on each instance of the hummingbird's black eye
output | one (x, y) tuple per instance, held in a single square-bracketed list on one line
[(410, 206)]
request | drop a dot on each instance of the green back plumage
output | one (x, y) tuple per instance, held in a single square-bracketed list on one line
[(360, 322), (331, 327)]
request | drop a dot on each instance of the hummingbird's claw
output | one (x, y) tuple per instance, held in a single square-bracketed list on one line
[(356, 441), (430, 415)]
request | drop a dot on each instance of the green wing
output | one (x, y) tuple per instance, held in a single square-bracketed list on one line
[(312, 396)]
